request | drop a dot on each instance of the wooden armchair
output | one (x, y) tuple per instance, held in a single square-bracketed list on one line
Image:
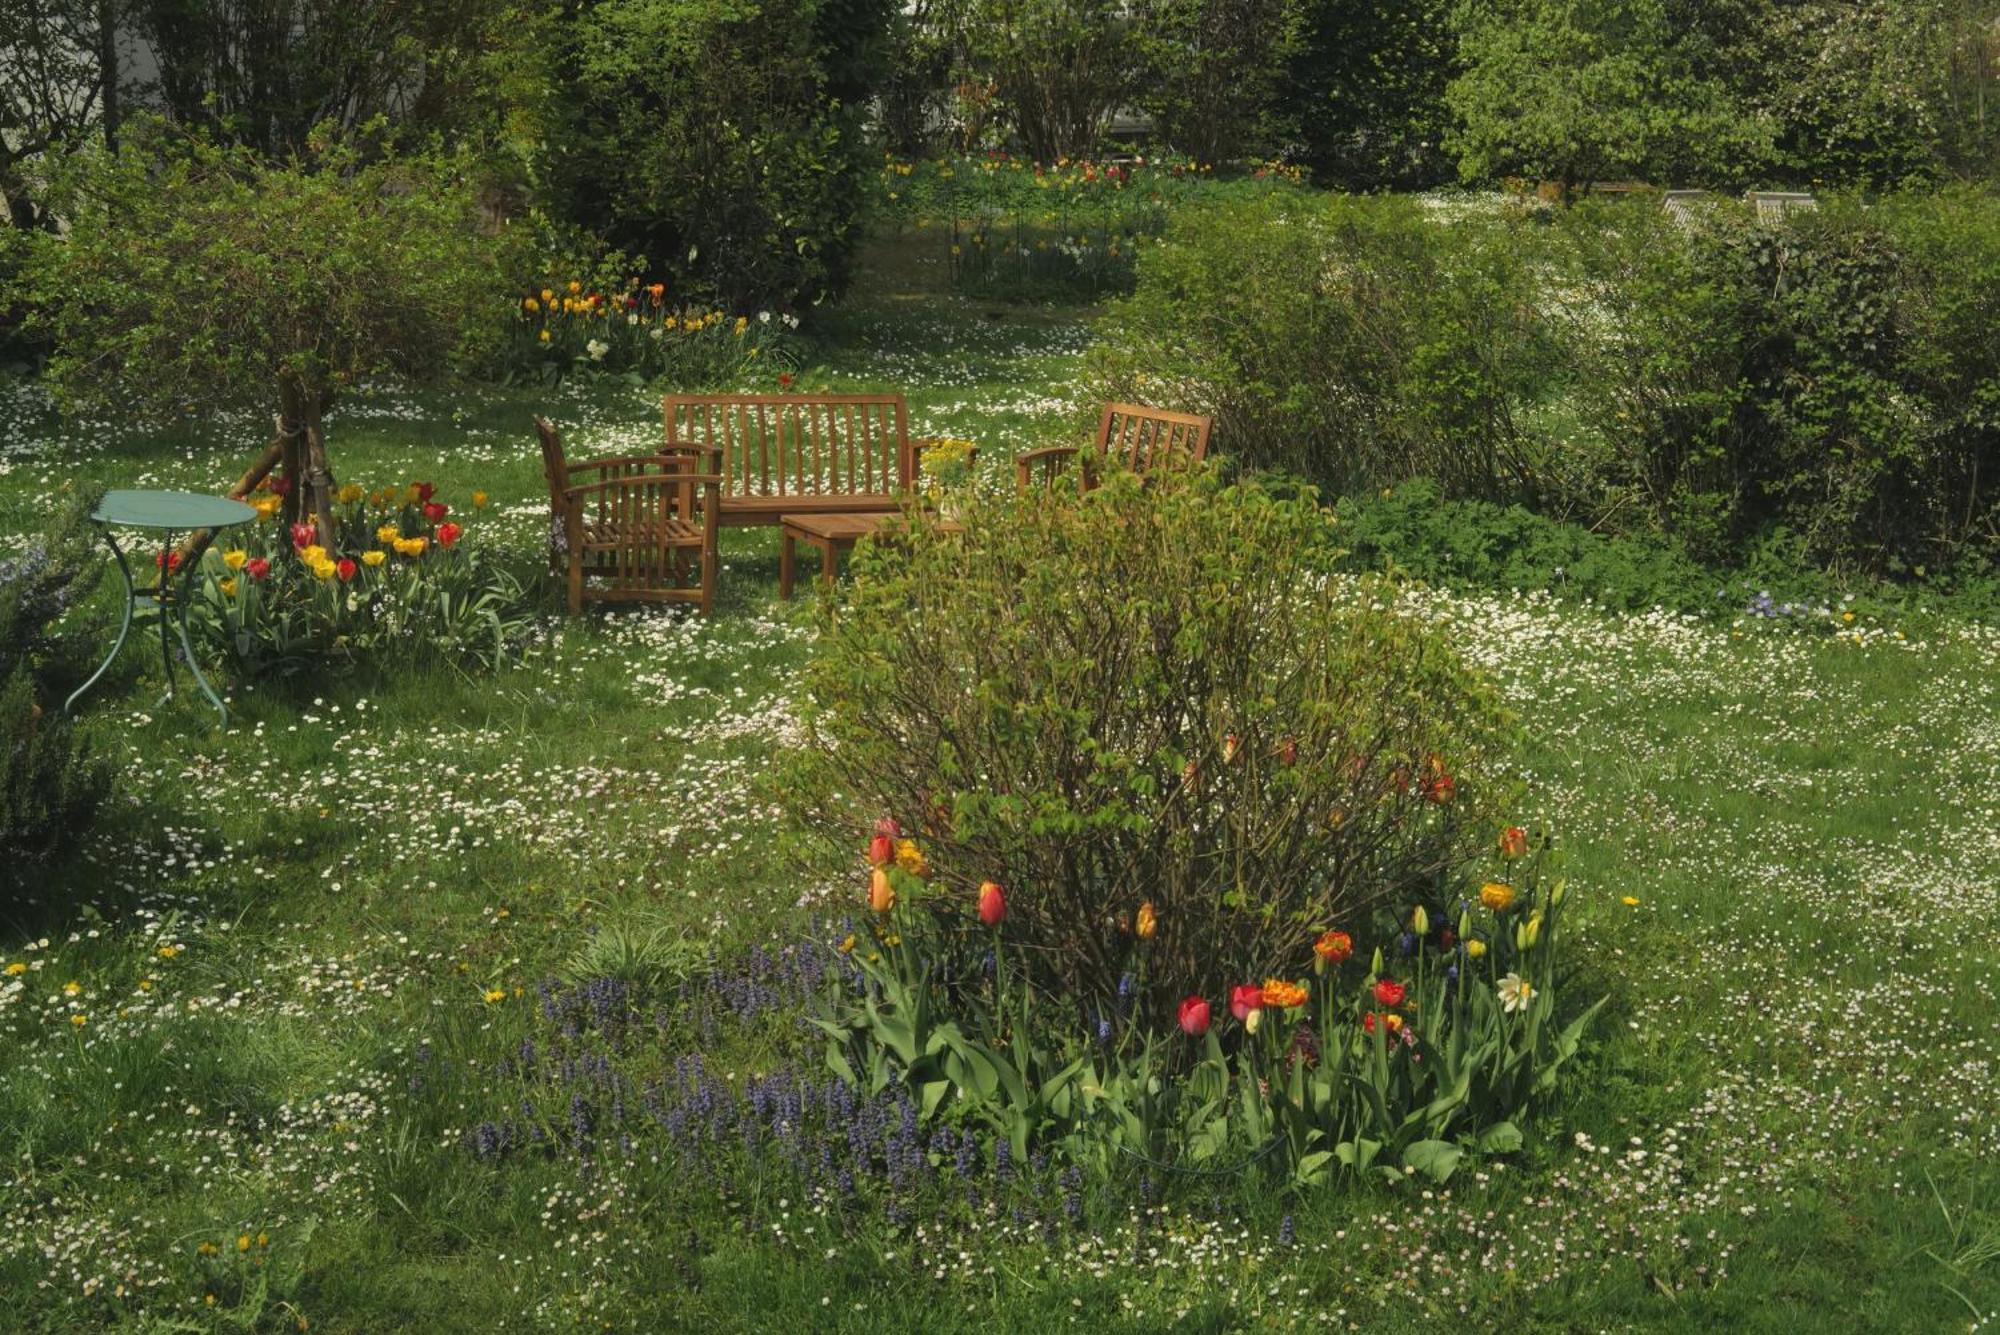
[(1146, 440), (635, 528)]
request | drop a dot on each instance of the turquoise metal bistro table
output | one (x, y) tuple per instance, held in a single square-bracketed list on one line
[(171, 512)]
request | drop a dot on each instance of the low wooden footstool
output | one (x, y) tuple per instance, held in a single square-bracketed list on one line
[(830, 533)]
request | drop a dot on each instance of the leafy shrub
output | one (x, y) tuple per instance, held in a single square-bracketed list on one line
[(399, 582), (50, 781), (1414, 529), (1717, 379), (1351, 340), (1144, 699), (1834, 377), (720, 142), (193, 275)]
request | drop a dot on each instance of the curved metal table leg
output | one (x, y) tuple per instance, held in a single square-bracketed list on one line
[(181, 601), (162, 595), (124, 627)]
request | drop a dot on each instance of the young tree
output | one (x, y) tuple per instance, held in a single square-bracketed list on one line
[(58, 86), (1576, 90), (190, 275), (1214, 69), (1061, 67)]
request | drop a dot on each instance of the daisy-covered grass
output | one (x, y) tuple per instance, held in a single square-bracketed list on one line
[(277, 1043)]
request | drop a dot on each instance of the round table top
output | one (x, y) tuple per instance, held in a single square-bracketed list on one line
[(171, 510)]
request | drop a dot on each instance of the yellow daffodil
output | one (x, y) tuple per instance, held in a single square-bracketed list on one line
[(16, 969), (495, 994), (72, 988), (1630, 901), (243, 1242), (168, 952), (79, 1020)]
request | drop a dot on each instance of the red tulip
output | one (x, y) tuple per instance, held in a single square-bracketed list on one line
[(278, 486), (881, 850), (1194, 1016), (171, 560), (1244, 999), (785, 380), (1440, 789), (425, 490), (435, 510), (887, 828), (303, 535), (257, 567), (1389, 992), (992, 904), (447, 534), (345, 569), (1513, 842)]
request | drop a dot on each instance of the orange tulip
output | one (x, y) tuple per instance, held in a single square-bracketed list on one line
[(992, 904), (881, 891)]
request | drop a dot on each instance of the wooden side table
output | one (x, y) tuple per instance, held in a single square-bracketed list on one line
[(831, 533)]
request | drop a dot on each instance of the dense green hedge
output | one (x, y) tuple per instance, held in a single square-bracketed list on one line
[(1834, 378)]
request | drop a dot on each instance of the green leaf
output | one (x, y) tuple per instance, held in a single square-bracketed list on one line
[(1500, 1138), (1436, 1159)]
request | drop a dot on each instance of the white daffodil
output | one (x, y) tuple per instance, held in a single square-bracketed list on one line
[(1515, 993)]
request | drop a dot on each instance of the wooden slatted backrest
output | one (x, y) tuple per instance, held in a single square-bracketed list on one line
[(776, 445), (554, 466), (1149, 440)]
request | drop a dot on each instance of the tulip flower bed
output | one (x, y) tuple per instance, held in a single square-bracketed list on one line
[(420, 1001), (399, 580), (635, 329)]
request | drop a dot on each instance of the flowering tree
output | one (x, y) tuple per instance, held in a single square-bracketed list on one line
[(190, 276)]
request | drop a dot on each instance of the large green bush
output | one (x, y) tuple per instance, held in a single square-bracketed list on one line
[(1146, 698), (50, 781), (721, 142), (1349, 339), (1720, 379)]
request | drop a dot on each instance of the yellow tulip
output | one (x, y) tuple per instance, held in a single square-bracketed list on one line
[(1146, 923), (374, 558), (228, 587), (881, 891), (388, 533), (235, 558), (479, 499)]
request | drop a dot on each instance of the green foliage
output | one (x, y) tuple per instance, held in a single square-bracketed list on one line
[(1213, 72), (1718, 379), (50, 782), (1574, 92), (637, 331), (720, 142), (1349, 339), (1365, 93), (1058, 68), (190, 274), (1144, 697)]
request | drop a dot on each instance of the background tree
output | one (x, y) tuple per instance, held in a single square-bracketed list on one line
[(58, 86), (1060, 67), (192, 276), (1364, 96), (1572, 91), (722, 142), (1213, 69)]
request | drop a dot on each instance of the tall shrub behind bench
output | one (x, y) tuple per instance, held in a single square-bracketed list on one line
[(1350, 339)]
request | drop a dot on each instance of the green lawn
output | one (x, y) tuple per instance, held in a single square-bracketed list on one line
[(1784, 842)]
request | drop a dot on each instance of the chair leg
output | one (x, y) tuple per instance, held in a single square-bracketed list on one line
[(575, 584), (708, 572), (788, 560)]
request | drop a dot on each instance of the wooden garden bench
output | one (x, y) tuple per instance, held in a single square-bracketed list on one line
[(638, 528), (1146, 440), (793, 454)]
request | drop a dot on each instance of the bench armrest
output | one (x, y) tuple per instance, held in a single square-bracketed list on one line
[(1049, 457), (710, 482)]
